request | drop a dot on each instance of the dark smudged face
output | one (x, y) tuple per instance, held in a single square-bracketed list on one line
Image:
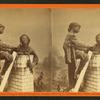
[(24, 40), (1, 30), (76, 29)]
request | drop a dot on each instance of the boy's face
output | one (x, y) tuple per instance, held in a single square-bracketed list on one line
[(76, 29), (98, 39), (25, 40), (1, 30)]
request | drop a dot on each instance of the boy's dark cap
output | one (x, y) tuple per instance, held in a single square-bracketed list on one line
[(2, 26), (74, 24)]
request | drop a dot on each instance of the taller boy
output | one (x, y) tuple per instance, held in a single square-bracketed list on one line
[(4, 55), (73, 50)]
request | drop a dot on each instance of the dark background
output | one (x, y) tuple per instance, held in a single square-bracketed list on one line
[(49, 1), (51, 98)]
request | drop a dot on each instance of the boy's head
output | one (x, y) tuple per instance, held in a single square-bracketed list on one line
[(74, 27), (98, 38), (24, 39), (2, 27)]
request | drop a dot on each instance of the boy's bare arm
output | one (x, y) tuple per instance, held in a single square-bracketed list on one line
[(4, 46), (78, 45)]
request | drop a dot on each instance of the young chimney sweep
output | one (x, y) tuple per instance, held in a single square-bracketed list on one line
[(73, 50), (4, 54), (25, 49)]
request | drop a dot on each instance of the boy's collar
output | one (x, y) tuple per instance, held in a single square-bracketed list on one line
[(23, 46)]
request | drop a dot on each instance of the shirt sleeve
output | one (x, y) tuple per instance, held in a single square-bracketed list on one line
[(4, 45), (77, 44)]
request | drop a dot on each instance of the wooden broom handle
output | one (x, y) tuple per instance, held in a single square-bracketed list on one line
[(82, 74)]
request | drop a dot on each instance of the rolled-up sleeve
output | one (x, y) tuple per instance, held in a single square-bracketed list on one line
[(77, 44), (4, 45)]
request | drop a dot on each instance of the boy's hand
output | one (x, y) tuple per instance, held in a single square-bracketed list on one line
[(89, 49), (35, 61), (29, 63)]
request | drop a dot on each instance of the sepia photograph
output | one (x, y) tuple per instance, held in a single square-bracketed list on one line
[(49, 50), (25, 43), (76, 49)]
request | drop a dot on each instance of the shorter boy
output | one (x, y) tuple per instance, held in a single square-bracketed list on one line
[(25, 49)]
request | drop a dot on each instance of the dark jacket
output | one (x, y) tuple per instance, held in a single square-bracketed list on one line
[(71, 44), (26, 51), (95, 49)]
